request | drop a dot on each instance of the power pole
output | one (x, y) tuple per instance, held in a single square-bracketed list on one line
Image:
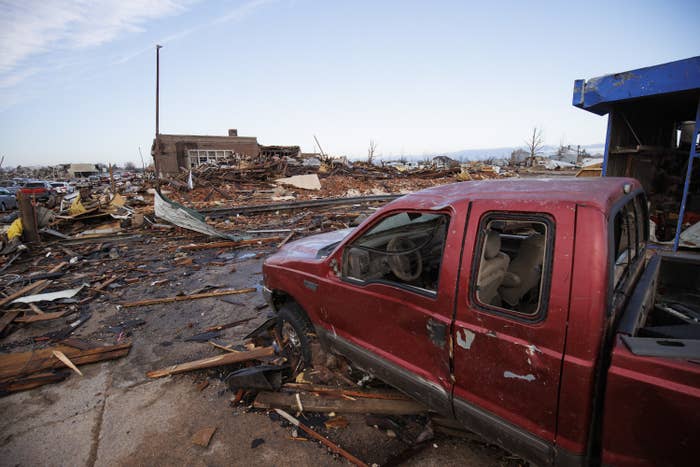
[(157, 142)]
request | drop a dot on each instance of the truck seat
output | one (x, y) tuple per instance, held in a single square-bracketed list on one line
[(527, 266), (492, 269)]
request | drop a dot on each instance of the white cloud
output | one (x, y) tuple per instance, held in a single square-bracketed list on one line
[(32, 27), (235, 14)]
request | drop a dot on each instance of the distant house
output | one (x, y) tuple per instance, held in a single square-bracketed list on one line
[(81, 170), (519, 156), (567, 154), (444, 162)]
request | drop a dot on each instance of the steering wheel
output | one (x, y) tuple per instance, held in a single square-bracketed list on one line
[(409, 266)]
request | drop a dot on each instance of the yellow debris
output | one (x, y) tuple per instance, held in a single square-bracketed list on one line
[(15, 229), (76, 207)]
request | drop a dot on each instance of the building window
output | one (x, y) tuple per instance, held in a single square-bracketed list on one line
[(403, 249), (511, 269), (199, 157)]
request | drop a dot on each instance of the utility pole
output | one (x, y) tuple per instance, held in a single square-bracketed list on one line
[(158, 47), (157, 142)]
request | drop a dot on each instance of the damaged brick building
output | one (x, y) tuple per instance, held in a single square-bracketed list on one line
[(173, 152)]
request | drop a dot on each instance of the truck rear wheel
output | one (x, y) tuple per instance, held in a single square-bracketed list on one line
[(295, 333)]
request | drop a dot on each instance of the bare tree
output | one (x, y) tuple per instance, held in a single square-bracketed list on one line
[(534, 145), (371, 150), (130, 166)]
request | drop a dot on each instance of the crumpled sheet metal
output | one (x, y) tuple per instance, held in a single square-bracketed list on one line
[(49, 296), (186, 218)]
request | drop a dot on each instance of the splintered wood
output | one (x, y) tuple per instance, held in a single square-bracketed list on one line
[(25, 370), (219, 360), (180, 298)]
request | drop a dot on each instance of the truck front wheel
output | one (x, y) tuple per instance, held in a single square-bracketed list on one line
[(295, 333)]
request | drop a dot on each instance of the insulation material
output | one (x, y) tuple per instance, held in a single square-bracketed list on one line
[(186, 218)]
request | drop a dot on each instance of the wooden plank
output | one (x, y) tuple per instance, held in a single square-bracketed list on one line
[(203, 436), (180, 298), (343, 392), (219, 360), (230, 244), (22, 364), (32, 381), (325, 441), (7, 317), (35, 308), (311, 403), (42, 317)]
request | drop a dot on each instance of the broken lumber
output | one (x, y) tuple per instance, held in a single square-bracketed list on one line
[(219, 360), (66, 361), (344, 392), (229, 244), (179, 298), (311, 403), (7, 317), (32, 381), (325, 441), (41, 317), (203, 436), (22, 364)]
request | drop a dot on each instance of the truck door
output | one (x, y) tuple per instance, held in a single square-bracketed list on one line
[(510, 324), (390, 305)]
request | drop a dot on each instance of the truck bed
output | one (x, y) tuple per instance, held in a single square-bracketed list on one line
[(663, 315)]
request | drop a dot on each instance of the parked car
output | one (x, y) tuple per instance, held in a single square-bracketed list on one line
[(7, 200), (62, 188), (41, 190), (10, 185), (515, 307)]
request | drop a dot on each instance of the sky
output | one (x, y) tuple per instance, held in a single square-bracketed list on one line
[(77, 77)]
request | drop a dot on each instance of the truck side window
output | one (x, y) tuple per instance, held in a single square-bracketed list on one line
[(404, 249), (630, 234), (514, 257)]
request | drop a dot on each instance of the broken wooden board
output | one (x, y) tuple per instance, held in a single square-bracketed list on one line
[(41, 317), (219, 360), (203, 436), (311, 403), (7, 317), (180, 298), (23, 364), (33, 381), (388, 394), (230, 244)]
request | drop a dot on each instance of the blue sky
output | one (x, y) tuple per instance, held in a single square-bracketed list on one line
[(77, 76)]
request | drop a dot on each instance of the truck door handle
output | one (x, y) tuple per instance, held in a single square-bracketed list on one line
[(437, 332)]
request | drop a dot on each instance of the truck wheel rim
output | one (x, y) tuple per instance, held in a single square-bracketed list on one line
[(292, 346)]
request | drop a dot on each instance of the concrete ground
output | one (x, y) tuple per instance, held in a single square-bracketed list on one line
[(115, 415)]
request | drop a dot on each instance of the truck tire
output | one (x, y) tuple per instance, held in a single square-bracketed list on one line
[(295, 332), (4, 208)]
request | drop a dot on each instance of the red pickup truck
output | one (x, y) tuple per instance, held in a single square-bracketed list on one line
[(529, 310)]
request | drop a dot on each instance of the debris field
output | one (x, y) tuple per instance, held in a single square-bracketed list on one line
[(133, 330)]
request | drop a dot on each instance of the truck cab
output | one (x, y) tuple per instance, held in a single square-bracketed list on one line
[(499, 303)]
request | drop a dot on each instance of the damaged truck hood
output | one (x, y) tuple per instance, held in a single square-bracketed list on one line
[(313, 247)]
